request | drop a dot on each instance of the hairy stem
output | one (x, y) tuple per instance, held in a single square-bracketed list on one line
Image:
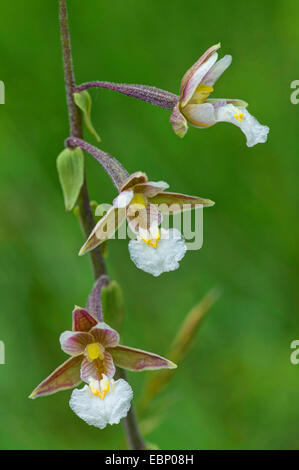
[(130, 425), (156, 96), (134, 437), (86, 217)]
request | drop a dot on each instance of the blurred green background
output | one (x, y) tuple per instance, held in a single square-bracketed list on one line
[(237, 389)]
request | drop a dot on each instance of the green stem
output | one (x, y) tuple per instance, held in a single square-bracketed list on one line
[(130, 424), (133, 435), (86, 217)]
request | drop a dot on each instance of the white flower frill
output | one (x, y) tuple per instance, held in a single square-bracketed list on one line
[(171, 248), (102, 402)]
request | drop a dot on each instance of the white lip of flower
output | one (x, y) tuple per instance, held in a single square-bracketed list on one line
[(195, 106), (99, 388), (212, 112), (150, 236), (165, 257), (255, 132), (102, 402)]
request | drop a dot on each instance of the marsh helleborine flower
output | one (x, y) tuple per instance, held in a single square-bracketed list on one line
[(142, 202), (196, 108), (95, 350)]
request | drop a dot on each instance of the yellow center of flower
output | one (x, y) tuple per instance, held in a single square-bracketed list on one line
[(152, 241), (138, 200), (94, 351), (201, 93), (99, 389), (239, 116)]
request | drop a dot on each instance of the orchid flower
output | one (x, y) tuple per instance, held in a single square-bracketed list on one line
[(102, 402), (142, 202), (95, 350), (196, 108)]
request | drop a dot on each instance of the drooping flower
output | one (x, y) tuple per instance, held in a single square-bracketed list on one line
[(102, 402), (196, 108), (143, 203), (95, 350)]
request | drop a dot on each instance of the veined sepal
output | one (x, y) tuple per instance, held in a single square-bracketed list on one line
[(171, 203), (178, 121), (94, 207), (82, 319), (66, 376), (104, 229), (138, 360)]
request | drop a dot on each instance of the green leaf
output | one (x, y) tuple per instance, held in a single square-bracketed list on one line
[(70, 167), (83, 101), (113, 305)]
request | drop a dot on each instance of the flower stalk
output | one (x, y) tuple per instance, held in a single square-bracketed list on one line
[(133, 435), (112, 167), (156, 96), (193, 106)]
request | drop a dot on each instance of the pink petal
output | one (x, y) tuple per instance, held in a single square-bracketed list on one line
[(217, 70), (195, 74), (74, 343), (137, 360), (204, 115), (96, 368), (135, 178), (103, 334), (178, 122), (65, 376), (123, 199), (90, 369), (200, 115), (151, 188), (82, 320)]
